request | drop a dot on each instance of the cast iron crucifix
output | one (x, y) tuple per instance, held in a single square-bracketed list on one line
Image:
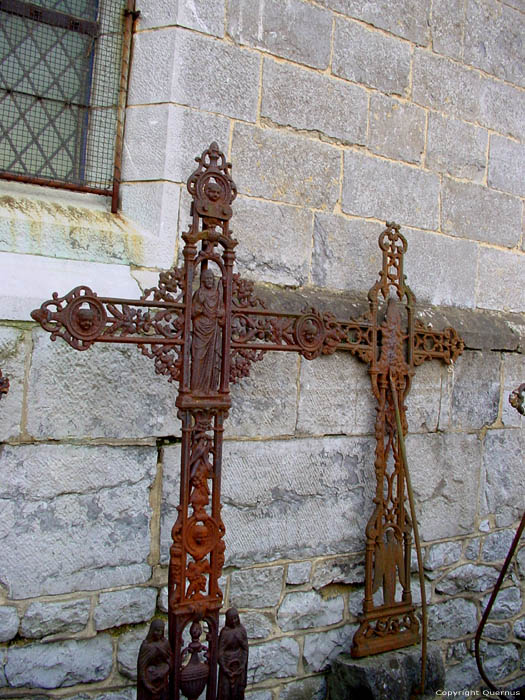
[(203, 326)]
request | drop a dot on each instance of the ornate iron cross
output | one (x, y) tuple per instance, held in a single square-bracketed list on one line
[(203, 326)]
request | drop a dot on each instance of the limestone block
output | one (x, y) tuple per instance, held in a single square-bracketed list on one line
[(162, 142), (406, 18), (305, 609), (322, 648), (446, 24), (257, 625), (514, 373), (125, 607), (501, 281), (507, 604), (110, 390), (313, 688), (128, 650), (501, 107), (496, 545), (271, 494), (442, 554), (59, 664), (499, 660), (519, 628), (446, 86), (295, 30), (445, 474), (506, 170), (499, 632), (503, 490), (176, 56), (84, 527), (463, 675), (346, 570), (455, 147), (163, 599), (270, 660), (467, 578), (206, 16), (9, 622), (298, 573), (14, 349), (260, 695), (306, 172), (400, 192), (453, 618), (475, 212), (494, 40), (28, 280), (353, 47), (470, 402), (3, 658), (43, 618), (397, 129), (472, 549), (154, 208), (274, 241), (520, 558), (335, 397), (256, 588), (298, 98)]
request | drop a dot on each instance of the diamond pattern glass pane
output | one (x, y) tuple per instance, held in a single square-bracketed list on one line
[(59, 90)]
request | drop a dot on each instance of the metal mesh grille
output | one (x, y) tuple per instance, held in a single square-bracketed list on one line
[(60, 66)]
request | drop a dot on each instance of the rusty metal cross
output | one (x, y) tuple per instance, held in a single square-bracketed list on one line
[(203, 326)]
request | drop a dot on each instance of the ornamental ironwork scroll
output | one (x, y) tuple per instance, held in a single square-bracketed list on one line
[(203, 326)]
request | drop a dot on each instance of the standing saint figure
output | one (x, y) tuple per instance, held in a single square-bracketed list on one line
[(154, 664), (233, 658), (207, 312), (389, 564)]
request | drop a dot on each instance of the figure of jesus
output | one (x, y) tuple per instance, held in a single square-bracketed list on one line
[(207, 312)]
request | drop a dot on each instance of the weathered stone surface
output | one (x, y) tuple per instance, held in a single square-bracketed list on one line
[(400, 192), (313, 688), (501, 281), (260, 695), (128, 650), (84, 527), (175, 57), (499, 632), (13, 354), (206, 16), (3, 658), (501, 107), (277, 659), (162, 142), (152, 207), (43, 618), (507, 604), (305, 609), (520, 558), (499, 660), (463, 675), (298, 573), (467, 578), (513, 372), (9, 622), (321, 649), (446, 26), (506, 170), (453, 618), (296, 30), (298, 98), (456, 148), (257, 625), (406, 18), (394, 674), (503, 490), (163, 599), (396, 129), (445, 86), (125, 607), (442, 554), (82, 394), (275, 241), (444, 495), (496, 545), (288, 168), (256, 588), (519, 628), (59, 664), (353, 47), (472, 549), (348, 570), (467, 402), (473, 211), (494, 39)]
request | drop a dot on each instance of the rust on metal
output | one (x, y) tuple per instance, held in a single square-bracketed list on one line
[(4, 385), (517, 399), (203, 326)]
